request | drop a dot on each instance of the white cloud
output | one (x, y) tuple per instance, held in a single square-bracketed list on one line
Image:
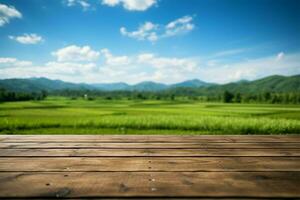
[(111, 68), (230, 52), (179, 26), (167, 69), (55, 70), (83, 3), (13, 62), (146, 31), (182, 64), (212, 62), (7, 13), (132, 5), (151, 67), (69, 68), (252, 69), (280, 56), (75, 53), (111, 2), (153, 32), (27, 38), (115, 60)]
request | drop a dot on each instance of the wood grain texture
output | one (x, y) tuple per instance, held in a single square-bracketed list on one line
[(199, 145), (151, 138), (154, 167), (146, 152), (154, 184), (166, 164)]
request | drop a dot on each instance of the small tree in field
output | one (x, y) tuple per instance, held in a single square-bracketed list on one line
[(227, 97), (238, 98)]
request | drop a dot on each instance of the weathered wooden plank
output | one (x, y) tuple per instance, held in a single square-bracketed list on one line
[(150, 138), (164, 198), (150, 184), (208, 164), (146, 152), (148, 198), (155, 198), (56, 145)]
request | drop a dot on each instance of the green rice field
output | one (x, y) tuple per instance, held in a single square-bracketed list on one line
[(65, 116)]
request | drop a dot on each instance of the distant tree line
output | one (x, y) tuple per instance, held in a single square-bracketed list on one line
[(266, 97), (21, 96), (185, 94), (170, 95)]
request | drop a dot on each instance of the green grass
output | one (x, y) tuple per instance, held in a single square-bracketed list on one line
[(64, 116)]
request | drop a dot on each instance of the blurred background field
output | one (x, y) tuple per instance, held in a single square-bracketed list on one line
[(59, 115)]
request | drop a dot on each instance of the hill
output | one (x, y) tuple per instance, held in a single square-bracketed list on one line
[(192, 84), (38, 84), (274, 83), (111, 86), (149, 86)]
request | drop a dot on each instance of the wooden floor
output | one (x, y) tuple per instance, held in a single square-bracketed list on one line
[(208, 167)]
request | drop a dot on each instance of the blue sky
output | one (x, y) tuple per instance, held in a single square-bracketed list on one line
[(149, 40)]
